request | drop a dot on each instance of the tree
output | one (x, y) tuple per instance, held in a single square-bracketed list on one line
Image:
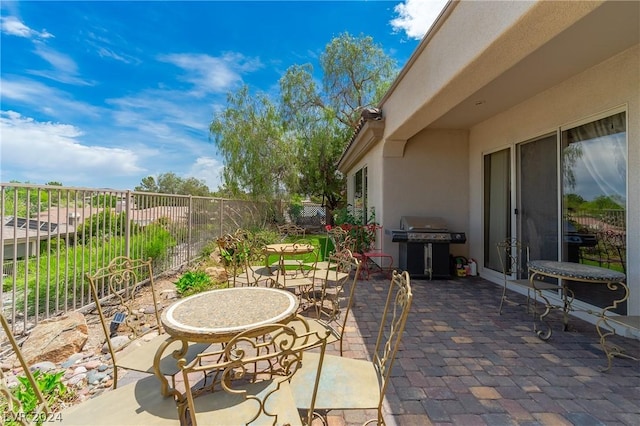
[(193, 186), (148, 184), (259, 155), (170, 183), (356, 74), (274, 152)]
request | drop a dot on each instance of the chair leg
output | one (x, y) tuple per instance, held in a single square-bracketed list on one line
[(502, 299)]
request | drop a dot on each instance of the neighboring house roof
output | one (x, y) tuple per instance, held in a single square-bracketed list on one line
[(60, 221), (21, 229)]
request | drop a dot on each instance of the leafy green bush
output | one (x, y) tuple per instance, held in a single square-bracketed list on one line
[(193, 282), (53, 390), (362, 234)]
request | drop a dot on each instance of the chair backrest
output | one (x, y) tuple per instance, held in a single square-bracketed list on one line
[(338, 237), (514, 256), (14, 410), (255, 366), (344, 268), (291, 230), (116, 289), (394, 319), (295, 258), (251, 261), (376, 233), (232, 256)]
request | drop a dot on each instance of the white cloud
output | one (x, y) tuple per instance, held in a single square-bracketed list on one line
[(46, 99), (210, 74), (209, 170), (46, 151), (415, 17), (58, 60), (65, 69), (13, 26)]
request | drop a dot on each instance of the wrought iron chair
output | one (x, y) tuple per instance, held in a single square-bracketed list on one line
[(139, 403), (300, 278), (115, 289), (340, 240), (252, 372), (374, 251), (356, 384), (243, 259), (513, 256), (331, 304)]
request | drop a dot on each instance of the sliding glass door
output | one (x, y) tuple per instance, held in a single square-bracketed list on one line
[(569, 201), (537, 210), (594, 199), (497, 205)]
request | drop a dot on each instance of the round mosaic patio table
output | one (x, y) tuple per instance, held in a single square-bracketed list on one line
[(570, 271), (218, 315), (575, 271)]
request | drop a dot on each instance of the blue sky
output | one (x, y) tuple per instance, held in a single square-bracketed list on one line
[(102, 94)]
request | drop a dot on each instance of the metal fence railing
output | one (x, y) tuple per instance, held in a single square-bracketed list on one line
[(53, 236)]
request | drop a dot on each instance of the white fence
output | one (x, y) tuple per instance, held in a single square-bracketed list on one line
[(53, 236)]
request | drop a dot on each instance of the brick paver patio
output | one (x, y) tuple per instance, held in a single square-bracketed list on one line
[(461, 363)]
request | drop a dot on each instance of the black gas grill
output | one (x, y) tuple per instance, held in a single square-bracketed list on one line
[(424, 246)]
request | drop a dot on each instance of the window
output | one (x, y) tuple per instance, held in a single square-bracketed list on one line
[(360, 194), (594, 200)]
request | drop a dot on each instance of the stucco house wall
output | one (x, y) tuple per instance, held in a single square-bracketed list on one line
[(431, 179), (612, 84), (489, 75)]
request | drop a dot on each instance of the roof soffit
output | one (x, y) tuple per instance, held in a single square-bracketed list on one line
[(573, 36)]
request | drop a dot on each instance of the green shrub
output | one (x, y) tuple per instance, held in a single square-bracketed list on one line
[(193, 282), (53, 390)]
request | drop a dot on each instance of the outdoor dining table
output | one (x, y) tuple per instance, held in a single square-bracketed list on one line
[(286, 249), (216, 316), (576, 272)]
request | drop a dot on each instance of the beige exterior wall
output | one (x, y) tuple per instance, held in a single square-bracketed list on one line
[(476, 44), (609, 85), (431, 179), (539, 66)]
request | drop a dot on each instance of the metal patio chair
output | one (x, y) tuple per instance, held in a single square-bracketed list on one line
[(252, 374), (139, 403), (514, 255), (374, 252), (115, 289), (243, 259), (356, 384), (331, 298)]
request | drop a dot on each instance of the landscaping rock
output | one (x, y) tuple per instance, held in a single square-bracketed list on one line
[(44, 366), (56, 339)]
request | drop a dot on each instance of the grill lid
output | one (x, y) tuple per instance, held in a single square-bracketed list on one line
[(423, 224)]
